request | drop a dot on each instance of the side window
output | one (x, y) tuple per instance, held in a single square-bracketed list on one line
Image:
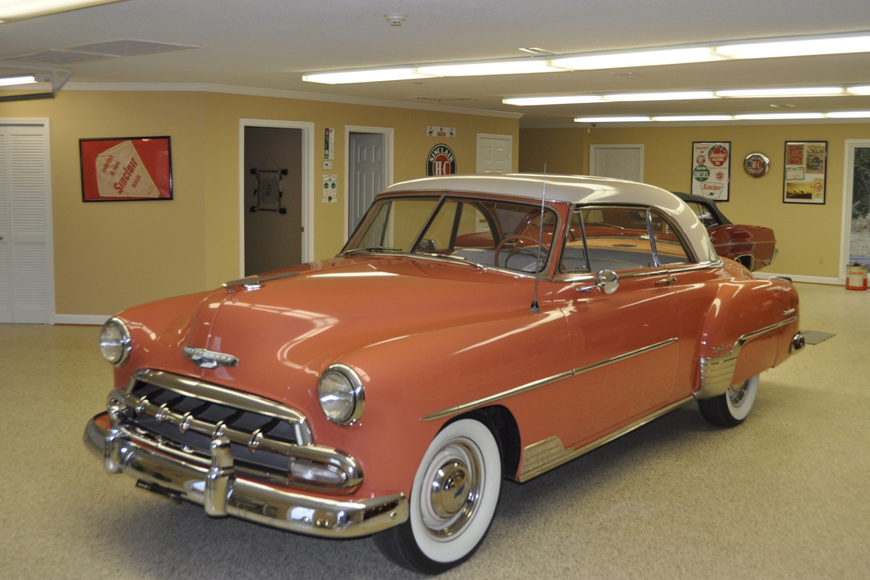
[(620, 238), (704, 214)]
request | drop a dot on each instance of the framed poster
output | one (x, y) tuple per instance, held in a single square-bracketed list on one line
[(806, 164), (711, 169), (126, 169)]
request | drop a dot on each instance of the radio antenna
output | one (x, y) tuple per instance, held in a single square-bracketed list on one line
[(538, 268)]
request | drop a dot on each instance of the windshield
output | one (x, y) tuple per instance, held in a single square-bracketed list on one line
[(484, 232)]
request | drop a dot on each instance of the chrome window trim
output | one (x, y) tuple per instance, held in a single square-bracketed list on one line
[(484, 401), (571, 277)]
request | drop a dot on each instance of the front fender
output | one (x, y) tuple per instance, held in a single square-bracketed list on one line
[(416, 384)]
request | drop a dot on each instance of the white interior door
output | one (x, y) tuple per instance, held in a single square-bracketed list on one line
[(26, 247), (493, 153), (618, 161), (369, 165)]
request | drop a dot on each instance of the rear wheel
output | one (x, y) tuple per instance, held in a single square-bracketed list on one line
[(452, 503), (733, 407)]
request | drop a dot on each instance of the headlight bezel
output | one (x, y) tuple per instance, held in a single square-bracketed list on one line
[(116, 348), (350, 404)]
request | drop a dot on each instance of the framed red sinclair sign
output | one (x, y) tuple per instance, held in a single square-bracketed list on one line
[(126, 169)]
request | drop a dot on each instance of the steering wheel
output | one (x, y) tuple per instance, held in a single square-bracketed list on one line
[(514, 239)]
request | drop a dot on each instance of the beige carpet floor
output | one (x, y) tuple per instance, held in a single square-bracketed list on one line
[(784, 496)]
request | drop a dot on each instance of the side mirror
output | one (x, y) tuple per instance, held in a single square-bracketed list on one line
[(606, 281)]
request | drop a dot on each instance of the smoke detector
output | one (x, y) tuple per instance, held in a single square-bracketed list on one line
[(396, 19)]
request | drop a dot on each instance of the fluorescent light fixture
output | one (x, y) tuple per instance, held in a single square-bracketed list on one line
[(364, 76), (633, 119), (778, 116), (556, 100), (781, 92), (696, 118), (21, 9), (862, 90), (495, 67), (637, 58), (17, 80), (672, 96), (849, 115), (804, 46)]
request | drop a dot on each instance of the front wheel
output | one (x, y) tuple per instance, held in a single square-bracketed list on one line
[(452, 503), (733, 407)]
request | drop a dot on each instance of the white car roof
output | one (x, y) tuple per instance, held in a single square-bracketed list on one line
[(573, 189)]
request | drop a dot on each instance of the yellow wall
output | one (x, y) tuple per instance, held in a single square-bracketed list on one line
[(109, 256), (808, 236)]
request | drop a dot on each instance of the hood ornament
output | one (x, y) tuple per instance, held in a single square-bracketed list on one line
[(255, 282), (208, 359)]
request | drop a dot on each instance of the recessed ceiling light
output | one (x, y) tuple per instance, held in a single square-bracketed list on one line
[(11, 10), (17, 80), (363, 76), (626, 119), (781, 92)]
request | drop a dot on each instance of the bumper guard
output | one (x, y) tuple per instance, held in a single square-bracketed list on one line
[(216, 487)]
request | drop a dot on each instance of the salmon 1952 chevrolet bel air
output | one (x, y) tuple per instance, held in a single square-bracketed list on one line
[(474, 328)]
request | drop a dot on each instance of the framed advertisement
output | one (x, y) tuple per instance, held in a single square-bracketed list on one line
[(711, 169), (126, 169), (805, 172)]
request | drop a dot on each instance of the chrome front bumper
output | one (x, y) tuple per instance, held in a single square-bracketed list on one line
[(216, 487)]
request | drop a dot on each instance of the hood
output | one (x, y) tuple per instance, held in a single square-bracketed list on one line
[(298, 322)]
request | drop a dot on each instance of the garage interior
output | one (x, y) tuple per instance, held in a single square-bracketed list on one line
[(782, 496)]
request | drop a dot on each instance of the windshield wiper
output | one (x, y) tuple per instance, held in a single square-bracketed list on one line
[(374, 249), (449, 258)]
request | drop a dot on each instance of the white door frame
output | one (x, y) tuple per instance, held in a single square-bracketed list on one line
[(307, 250), (593, 151), (389, 137), (846, 222)]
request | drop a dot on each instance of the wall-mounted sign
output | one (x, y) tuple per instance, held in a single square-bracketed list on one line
[(125, 169), (329, 143), (330, 188), (711, 169), (441, 161), (756, 164), (440, 131), (806, 164)]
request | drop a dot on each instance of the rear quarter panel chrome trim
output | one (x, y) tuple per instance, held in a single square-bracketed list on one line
[(717, 371)]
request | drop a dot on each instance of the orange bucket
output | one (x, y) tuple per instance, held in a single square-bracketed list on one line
[(856, 277)]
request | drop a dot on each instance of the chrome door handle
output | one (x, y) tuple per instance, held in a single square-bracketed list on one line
[(666, 282)]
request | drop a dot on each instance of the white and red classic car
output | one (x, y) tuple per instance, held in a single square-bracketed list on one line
[(473, 328)]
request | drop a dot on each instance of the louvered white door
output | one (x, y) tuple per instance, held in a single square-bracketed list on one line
[(26, 252)]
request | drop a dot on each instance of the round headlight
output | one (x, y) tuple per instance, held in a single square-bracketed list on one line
[(341, 394), (115, 342)]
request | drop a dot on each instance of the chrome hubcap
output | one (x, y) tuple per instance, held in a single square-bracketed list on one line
[(451, 489)]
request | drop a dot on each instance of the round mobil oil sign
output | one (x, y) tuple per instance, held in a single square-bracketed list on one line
[(441, 161)]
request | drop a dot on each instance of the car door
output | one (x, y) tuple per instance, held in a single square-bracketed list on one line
[(624, 345)]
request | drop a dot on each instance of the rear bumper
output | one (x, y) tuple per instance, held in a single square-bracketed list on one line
[(215, 486)]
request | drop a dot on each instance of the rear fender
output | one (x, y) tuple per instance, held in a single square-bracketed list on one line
[(748, 329)]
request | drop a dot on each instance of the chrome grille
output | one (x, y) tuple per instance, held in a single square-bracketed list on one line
[(186, 415)]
